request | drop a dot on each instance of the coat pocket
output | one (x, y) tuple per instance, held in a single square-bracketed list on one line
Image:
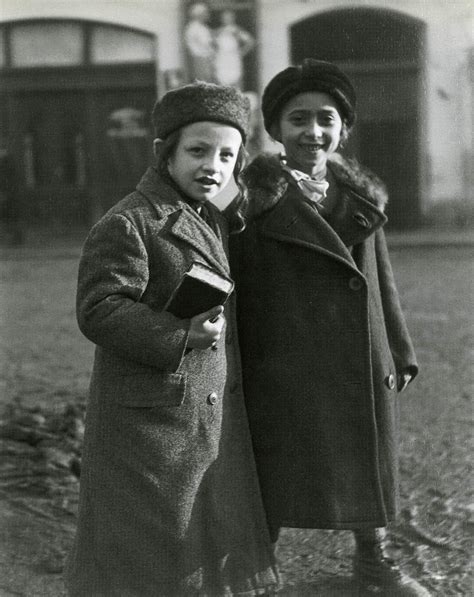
[(151, 390)]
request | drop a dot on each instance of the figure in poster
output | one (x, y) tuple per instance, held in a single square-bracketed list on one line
[(199, 43), (232, 43)]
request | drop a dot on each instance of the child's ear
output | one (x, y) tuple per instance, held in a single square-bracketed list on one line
[(156, 146)]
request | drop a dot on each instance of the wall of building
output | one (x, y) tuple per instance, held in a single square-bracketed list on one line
[(449, 99), (446, 100)]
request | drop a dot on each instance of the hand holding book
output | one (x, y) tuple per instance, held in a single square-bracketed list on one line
[(200, 296), (205, 329), (199, 289)]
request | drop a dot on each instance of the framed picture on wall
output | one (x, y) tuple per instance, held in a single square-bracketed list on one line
[(220, 40)]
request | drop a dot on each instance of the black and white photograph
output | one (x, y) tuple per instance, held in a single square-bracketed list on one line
[(236, 321)]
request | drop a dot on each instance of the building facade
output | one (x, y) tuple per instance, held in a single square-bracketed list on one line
[(78, 81)]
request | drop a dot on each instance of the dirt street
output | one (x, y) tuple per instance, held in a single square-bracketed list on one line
[(43, 386)]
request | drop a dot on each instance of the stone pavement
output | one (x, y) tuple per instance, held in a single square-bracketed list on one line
[(44, 245), (431, 237)]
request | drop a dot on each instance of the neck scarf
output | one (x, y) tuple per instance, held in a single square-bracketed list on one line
[(314, 190)]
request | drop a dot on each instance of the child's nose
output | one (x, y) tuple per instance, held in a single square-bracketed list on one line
[(211, 164), (314, 129)]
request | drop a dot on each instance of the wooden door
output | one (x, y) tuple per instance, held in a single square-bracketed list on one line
[(389, 148), (81, 151), (121, 142), (382, 51), (53, 162)]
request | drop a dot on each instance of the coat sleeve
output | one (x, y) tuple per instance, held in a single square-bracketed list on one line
[(399, 339), (113, 275)]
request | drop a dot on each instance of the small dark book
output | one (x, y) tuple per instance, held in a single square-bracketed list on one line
[(200, 289)]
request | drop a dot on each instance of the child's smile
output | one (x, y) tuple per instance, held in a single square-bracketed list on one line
[(310, 130), (312, 148)]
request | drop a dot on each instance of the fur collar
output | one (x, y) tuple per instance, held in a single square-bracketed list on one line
[(267, 184)]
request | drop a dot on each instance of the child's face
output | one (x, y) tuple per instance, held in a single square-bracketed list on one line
[(204, 160), (310, 130)]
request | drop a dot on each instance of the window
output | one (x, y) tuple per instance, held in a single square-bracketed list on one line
[(111, 44), (63, 43), (46, 44)]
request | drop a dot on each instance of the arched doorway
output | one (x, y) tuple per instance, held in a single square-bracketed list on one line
[(75, 103), (383, 53)]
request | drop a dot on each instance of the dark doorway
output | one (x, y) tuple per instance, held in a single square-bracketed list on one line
[(383, 53), (50, 129), (400, 172), (121, 143), (77, 124), (81, 144)]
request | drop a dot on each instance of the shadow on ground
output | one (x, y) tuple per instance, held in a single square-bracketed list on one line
[(326, 587)]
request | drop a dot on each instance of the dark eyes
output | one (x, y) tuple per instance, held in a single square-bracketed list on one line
[(199, 152), (323, 119), (196, 150), (328, 119)]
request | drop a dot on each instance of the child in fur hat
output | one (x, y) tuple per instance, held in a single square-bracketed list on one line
[(169, 501), (325, 348)]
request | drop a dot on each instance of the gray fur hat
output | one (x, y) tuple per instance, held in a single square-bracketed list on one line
[(201, 101)]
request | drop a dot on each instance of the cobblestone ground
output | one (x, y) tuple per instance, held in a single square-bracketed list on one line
[(43, 384)]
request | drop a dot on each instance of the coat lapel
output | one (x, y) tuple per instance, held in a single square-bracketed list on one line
[(359, 212), (188, 225), (191, 228), (356, 215), (294, 220)]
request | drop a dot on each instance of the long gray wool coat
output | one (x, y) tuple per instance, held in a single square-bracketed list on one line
[(322, 337), (169, 501)]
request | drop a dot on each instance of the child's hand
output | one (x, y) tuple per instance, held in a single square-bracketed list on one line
[(403, 379), (206, 328)]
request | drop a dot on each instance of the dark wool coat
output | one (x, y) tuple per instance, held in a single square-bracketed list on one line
[(169, 501), (322, 338)]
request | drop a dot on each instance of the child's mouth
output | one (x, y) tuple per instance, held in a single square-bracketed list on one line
[(312, 147), (207, 181)]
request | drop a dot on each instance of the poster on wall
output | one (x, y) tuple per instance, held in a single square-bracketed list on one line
[(220, 40)]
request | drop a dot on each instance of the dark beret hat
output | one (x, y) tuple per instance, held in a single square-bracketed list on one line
[(311, 75), (201, 101)]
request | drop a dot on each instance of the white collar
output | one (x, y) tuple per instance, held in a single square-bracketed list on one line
[(314, 190)]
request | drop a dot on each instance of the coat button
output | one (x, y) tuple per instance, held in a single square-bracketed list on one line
[(361, 219), (212, 398), (355, 283), (390, 381)]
